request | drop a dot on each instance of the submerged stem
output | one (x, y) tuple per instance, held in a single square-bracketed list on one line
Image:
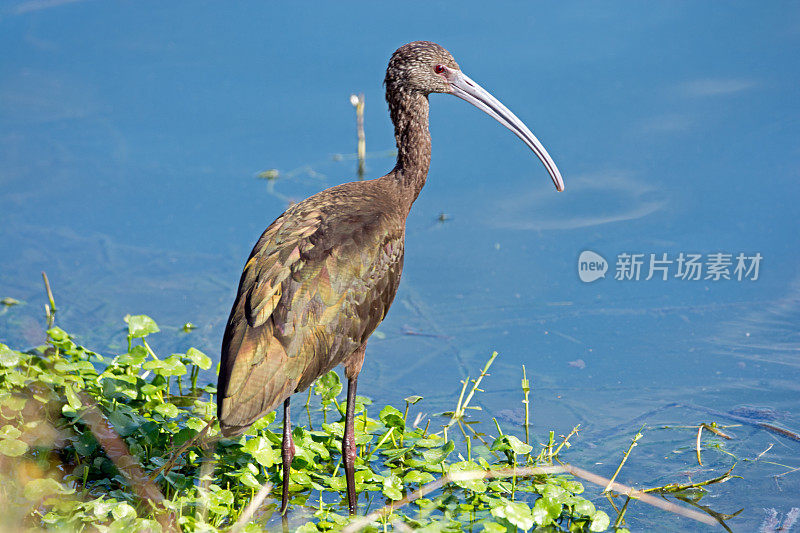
[(634, 442)]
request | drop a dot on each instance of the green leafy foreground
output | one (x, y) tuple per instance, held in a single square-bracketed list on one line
[(131, 443)]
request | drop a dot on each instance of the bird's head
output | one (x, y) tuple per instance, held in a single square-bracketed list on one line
[(424, 67), (419, 67)]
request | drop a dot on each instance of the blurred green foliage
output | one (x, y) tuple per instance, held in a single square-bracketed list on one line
[(57, 473)]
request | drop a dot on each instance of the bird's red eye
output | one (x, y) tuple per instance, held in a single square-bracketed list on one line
[(438, 69)]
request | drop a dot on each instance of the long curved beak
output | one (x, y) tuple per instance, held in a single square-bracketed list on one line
[(466, 89)]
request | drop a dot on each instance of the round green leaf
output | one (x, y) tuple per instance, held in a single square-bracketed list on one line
[(518, 513), (12, 447), (122, 511), (555, 493), (391, 417), (135, 357), (39, 489), (56, 334), (546, 510), (393, 487), (600, 521), (171, 366), (475, 485), (519, 447), (72, 398), (337, 483), (584, 507), (167, 410), (196, 424), (262, 451), (301, 478), (13, 403), (249, 480), (328, 386), (9, 432), (140, 326), (102, 507), (86, 444), (223, 497), (435, 456), (198, 358), (575, 487), (417, 476), (8, 357)]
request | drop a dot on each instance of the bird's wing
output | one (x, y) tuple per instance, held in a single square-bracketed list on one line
[(313, 290)]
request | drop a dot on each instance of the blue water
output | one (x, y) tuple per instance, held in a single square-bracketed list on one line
[(131, 137)]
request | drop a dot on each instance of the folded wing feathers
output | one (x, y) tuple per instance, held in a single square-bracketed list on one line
[(304, 298)]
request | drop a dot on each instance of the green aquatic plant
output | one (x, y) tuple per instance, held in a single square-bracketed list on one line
[(131, 442)]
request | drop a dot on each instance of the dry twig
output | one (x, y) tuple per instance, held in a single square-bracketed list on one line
[(625, 490)]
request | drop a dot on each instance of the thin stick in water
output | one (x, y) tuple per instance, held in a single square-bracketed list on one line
[(526, 389), (358, 103), (359, 524), (634, 441), (50, 308)]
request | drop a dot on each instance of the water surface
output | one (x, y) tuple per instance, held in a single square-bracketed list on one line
[(131, 137)]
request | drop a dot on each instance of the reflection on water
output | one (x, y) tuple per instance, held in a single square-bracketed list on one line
[(97, 281), (610, 197), (767, 334)]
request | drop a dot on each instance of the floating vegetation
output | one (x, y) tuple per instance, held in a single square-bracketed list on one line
[(131, 442), (271, 174)]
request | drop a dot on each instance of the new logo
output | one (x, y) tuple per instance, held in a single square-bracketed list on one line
[(591, 266)]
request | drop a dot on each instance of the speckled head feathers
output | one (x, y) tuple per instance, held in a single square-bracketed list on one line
[(412, 68)]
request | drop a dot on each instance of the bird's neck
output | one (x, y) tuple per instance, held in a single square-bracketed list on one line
[(409, 112)]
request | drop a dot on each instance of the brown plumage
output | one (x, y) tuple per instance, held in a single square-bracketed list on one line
[(318, 282), (323, 275)]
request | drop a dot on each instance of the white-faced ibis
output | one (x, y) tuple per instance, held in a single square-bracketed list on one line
[(323, 275)]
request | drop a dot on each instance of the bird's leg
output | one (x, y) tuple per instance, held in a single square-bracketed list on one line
[(287, 452), (352, 366), (349, 445)]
